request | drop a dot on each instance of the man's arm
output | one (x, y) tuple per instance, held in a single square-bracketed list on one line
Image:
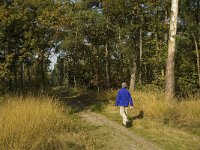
[(117, 99)]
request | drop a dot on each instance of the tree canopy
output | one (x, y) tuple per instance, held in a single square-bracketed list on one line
[(99, 43)]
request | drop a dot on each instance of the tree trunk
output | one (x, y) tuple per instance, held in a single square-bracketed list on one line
[(98, 72), (42, 71), (75, 83), (197, 40), (75, 60), (166, 38), (197, 54), (22, 75), (170, 77), (15, 74), (134, 66), (121, 62), (133, 75), (140, 61), (107, 66), (145, 73), (166, 17), (29, 75), (74, 71), (38, 71), (66, 73)]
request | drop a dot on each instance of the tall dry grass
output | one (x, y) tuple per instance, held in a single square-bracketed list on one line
[(180, 113), (183, 113), (40, 123), (173, 125)]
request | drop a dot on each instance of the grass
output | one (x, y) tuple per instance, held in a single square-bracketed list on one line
[(42, 123), (173, 125)]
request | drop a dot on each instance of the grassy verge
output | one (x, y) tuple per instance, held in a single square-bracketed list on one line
[(42, 123), (173, 125)]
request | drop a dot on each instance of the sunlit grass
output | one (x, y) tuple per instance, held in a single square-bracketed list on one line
[(178, 113), (171, 124), (40, 123), (44, 123)]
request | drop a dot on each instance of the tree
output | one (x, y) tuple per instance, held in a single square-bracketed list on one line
[(99, 44), (29, 30), (170, 77)]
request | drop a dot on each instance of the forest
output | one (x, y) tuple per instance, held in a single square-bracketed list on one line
[(98, 44), (62, 63)]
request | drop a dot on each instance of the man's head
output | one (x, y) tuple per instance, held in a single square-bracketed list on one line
[(124, 85)]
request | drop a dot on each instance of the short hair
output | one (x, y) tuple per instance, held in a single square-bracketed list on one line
[(124, 85)]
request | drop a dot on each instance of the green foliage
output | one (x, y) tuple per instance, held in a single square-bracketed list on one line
[(96, 42), (29, 31)]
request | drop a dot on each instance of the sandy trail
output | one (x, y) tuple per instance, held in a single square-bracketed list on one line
[(122, 137)]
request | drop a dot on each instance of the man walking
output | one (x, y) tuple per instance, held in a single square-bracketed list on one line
[(124, 100)]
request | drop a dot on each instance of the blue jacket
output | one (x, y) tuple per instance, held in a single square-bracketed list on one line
[(124, 98)]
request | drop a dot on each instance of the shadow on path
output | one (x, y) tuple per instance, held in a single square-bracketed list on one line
[(131, 119), (139, 116), (94, 101)]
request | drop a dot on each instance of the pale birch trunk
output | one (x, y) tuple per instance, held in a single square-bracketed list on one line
[(170, 77)]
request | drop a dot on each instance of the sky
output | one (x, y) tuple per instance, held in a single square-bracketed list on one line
[(53, 59)]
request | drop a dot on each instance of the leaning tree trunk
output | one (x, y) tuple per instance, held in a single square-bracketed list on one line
[(170, 77)]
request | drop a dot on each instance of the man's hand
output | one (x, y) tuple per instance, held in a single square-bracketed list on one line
[(131, 107)]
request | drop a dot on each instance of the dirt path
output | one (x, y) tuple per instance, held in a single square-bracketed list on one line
[(122, 138)]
